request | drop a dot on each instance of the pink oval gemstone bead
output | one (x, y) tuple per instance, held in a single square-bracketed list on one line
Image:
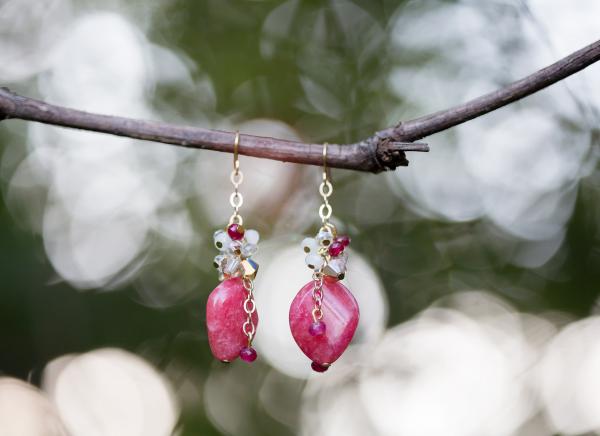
[(317, 367), (248, 354), (225, 317), (317, 328), (340, 314)]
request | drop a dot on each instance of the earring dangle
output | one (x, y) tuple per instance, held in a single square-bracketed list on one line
[(231, 316), (324, 314)]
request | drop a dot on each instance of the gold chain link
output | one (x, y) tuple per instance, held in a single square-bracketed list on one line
[(317, 295), (325, 189), (249, 328)]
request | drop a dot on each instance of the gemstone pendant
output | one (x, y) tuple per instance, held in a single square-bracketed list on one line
[(340, 316), (225, 317)]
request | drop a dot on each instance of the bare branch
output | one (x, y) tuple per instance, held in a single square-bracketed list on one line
[(383, 151), (362, 156), (442, 120)]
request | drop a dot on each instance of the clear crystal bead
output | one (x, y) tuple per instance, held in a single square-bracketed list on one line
[(232, 266), (235, 248), (218, 261), (248, 250)]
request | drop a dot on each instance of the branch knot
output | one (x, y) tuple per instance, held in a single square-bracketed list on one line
[(388, 155)]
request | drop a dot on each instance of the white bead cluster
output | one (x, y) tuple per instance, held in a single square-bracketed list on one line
[(234, 258), (322, 253)]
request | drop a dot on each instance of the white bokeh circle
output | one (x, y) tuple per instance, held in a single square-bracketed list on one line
[(446, 374), (111, 392), (25, 411), (569, 378)]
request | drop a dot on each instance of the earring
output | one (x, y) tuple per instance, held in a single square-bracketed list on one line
[(231, 316), (324, 314)]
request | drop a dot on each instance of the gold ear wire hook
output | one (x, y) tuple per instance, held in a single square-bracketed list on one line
[(236, 143), (325, 161)]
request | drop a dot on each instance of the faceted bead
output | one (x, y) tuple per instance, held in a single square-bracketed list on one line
[(235, 248), (219, 261), (235, 232), (225, 317), (317, 367), (336, 268), (252, 236), (317, 328), (249, 269), (248, 354), (336, 249), (340, 314), (344, 240), (249, 250), (232, 266)]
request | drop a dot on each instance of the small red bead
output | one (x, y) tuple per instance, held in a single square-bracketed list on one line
[(235, 232), (344, 240), (248, 354), (317, 367), (336, 249), (317, 328)]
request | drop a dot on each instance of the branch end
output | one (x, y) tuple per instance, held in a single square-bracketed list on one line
[(389, 156), (6, 103)]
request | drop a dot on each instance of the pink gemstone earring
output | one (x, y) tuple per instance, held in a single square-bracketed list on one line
[(324, 314), (231, 316)]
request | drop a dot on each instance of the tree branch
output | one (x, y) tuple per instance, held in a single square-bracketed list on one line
[(384, 150), (362, 156), (442, 120)]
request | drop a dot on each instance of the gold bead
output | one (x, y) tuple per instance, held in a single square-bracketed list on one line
[(249, 268)]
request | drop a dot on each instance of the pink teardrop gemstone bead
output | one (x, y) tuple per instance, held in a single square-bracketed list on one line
[(225, 317), (340, 315)]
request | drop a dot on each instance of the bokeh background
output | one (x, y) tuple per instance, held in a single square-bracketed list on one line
[(477, 268)]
